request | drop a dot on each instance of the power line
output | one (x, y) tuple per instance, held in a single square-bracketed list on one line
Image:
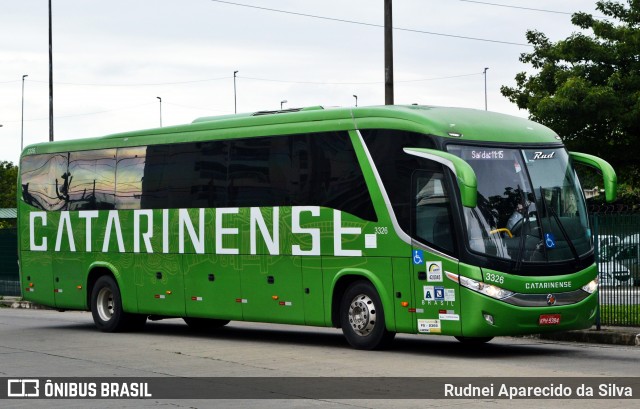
[(87, 113), (371, 24), (264, 79), (484, 3), (137, 85), (516, 7), (356, 83)]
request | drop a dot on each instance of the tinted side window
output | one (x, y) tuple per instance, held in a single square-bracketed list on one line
[(298, 170), (129, 175), (91, 179), (335, 178), (210, 186), (186, 175), (432, 219), (260, 172), (45, 181), (396, 167)]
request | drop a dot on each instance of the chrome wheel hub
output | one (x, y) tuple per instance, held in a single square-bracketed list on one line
[(105, 304), (362, 315)]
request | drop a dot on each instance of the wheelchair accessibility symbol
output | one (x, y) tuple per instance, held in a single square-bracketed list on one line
[(418, 257), (549, 240)]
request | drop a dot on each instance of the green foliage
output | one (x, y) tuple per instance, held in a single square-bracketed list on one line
[(8, 181), (587, 86)]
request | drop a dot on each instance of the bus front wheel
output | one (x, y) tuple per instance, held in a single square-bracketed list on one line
[(362, 317), (106, 308)]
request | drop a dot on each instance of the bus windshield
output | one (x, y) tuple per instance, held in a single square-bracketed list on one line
[(530, 206)]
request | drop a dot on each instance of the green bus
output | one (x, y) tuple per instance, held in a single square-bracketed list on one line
[(375, 220)]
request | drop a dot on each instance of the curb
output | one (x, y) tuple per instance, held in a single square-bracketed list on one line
[(607, 335), (18, 302)]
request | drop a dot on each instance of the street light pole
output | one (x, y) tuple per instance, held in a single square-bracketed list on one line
[(22, 119), (485, 87), (356, 97), (284, 101), (235, 102), (160, 99), (50, 78)]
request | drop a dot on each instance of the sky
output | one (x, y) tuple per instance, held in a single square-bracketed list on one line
[(113, 59)]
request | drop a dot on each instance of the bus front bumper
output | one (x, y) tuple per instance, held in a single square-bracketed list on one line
[(483, 316)]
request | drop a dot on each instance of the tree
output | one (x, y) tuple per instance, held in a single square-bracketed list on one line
[(587, 87), (8, 180)]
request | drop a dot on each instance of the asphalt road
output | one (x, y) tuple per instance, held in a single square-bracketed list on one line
[(44, 343)]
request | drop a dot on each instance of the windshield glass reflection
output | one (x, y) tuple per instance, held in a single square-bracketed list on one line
[(530, 205)]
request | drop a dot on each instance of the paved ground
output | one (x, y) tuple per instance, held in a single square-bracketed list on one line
[(46, 343)]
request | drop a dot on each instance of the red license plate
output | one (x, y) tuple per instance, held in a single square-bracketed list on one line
[(549, 319)]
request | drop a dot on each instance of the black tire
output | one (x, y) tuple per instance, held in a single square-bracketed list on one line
[(474, 340), (362, 317), (204, 324), (106, 308)]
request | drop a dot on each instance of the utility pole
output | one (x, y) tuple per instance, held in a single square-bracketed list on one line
[(50, 78), (388, 53)]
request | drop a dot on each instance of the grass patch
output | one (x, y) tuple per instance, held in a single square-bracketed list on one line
[(621, 315)]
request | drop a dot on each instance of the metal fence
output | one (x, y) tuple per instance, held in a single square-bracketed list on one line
[(9, 280), (616, 234)]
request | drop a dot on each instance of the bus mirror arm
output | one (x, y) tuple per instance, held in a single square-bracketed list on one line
[(465, 176), (608, 174)]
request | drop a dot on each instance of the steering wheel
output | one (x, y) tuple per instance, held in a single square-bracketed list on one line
[(515, 229)]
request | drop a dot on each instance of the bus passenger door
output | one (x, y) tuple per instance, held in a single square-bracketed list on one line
[(437, 308)]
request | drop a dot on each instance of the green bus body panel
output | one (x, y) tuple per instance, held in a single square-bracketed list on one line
[(608, 174), (376, 270), (193, 266), (403, 287), (471, 124)]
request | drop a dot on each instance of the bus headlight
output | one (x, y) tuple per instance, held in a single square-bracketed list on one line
[(591, 287), (486, 289)]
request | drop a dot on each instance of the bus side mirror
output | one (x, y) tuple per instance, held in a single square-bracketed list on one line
[(466, 177), (608, 174)]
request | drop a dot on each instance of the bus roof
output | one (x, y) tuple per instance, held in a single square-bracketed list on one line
[(458, 123)]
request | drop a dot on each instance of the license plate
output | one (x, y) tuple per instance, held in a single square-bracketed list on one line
[(549, 319)]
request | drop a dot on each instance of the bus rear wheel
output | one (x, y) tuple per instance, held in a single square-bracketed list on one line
[(362, 317), (106, 308)]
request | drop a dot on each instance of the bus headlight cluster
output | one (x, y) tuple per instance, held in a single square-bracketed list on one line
[(591, 287), (486, 289)]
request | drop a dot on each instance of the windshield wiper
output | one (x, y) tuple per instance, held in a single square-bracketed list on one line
[(549, 210), (525, 224)]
